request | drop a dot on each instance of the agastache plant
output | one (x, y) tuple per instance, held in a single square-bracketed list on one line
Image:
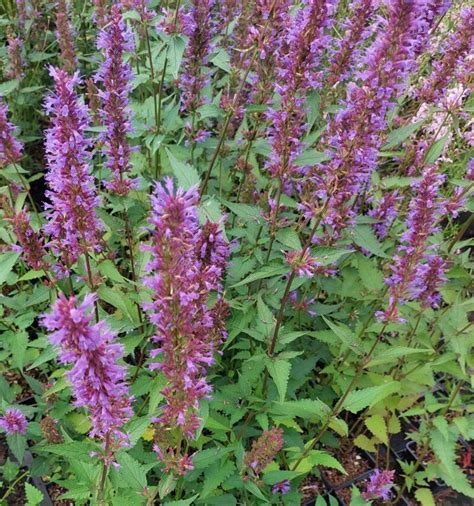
[(187, 264), (15, 60), (72, 224), (198, 27), (11, 149), (13, 422), (379, 485), (356, 32), (409, 276), (115, 76), (97, 379), (354, 140), (297, 72), (458, 46), (65, 36)]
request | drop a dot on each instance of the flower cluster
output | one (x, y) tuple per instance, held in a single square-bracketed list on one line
[(197, 26), (386, 212), (410, 276), (187, 264), (379, 485), (356, 32), (116, 76), (98, 381), (65, 36), (31, 243), (13, 422), (354, 134), (15, 60), (459, 44), (297, 71), (11, 149), (283, 487), (264, 450), (72, 222)]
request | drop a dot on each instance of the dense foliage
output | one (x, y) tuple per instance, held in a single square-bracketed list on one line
[(234, 252)]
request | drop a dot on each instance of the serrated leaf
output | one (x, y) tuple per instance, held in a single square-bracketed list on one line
[(253, 489), (265, 272), (186, 175), (396, 137), (182, 502), (18, 345), (17, 445), (288, 237), (272, 477), (425, 497), (175, 54), (244, 211), (363, 442), (357, 400), (342, 331), (7, 261), (310, 157), (33, 495), (319, 458), (107, 268), (280, 372), (303, 408), (131, 472), (393, 353), (377, 425), (394, 425), (205, 458), (215, 476), (435, 150), (74, 450), (365, 238)]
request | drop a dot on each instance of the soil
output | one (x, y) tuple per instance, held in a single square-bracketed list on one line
[(311, 487), (55, 491), (351, 460), (465, 457)]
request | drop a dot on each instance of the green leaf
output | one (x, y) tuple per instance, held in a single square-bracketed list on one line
[(8, 87), (136, 428), (362, 441), (215, 476), (304, 408), (7, 261), (272, 477), (222, 60), (17, 445), (435, 150), (280, 372), (310, 157), (324, 459), (205, 458), (392, 354), (357, 400), (365, 238), (186, 175), (253, 489), (182, 502), (18, 345), (244, 211), (290, 238), (33, 495), (175, 54), (264, 272), (425, 497), (119, 300), (75, 450), (342, 331), (32, 275), (370, 275), (107, 268), (377, 425), (49, 353), (131, 472), (396, 137)]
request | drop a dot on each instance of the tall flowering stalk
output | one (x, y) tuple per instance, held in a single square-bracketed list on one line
[(411, 276), (264, 450), (460, 44), (356, 33), (98, 381), (100, 13), (11, 149), (116, 75), (198, 26), (65, 34), (354, 133), (386, 212), (15, 60), (72, 225), (187, 264), (31, 244), (297, 72)]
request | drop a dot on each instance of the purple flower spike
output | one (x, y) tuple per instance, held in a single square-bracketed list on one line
[(379, 485), (13, 422), (197, 25), (72, 222), (11, 149), (187, 264), (98, 381), (116, 75), (410, 276), (65, 36), (459, 45), (281, 488)]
